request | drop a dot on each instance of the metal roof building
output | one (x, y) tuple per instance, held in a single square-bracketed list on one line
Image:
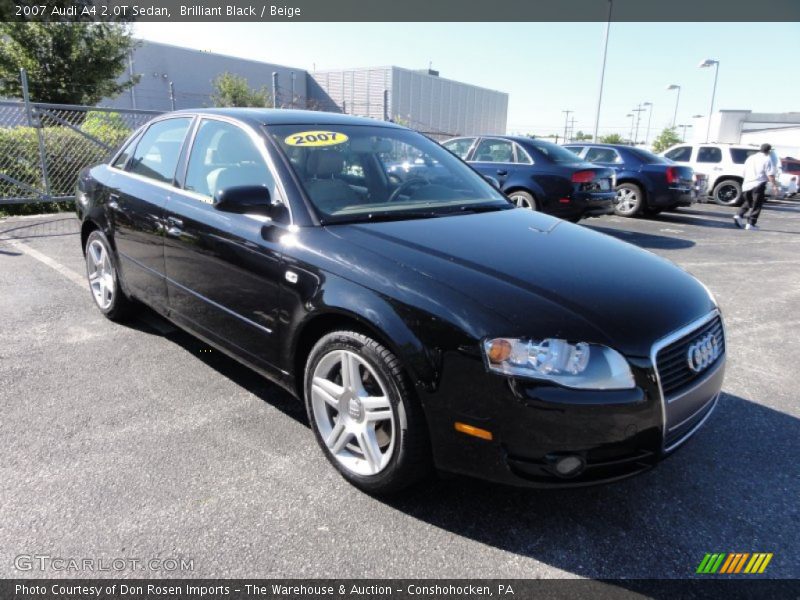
[(419, 99)]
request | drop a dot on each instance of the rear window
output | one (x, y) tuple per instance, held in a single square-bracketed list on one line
[(739, 155), (648, 157), (554, 152)]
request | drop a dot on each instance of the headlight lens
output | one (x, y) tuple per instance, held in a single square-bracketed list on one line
[(580, 365)]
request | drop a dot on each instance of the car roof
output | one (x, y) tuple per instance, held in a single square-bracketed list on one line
[(602, 145), (280, 116)]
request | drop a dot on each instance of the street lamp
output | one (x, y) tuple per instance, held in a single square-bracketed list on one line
[(675, 86), (710, 62), (638, 110), (649, 118), (630, 137), (683, 136)]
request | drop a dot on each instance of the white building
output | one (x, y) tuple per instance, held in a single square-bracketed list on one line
[(782, 130)]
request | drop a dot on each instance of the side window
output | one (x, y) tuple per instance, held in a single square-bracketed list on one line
[(576, 149), (709, 154), (156, 154), (680, 154), (125, 155), (603, 155), (495, 151), (224, 156), (460, 147), (739, 155), (523, 158)]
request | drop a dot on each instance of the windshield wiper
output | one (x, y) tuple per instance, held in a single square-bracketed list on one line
[(377, 217)]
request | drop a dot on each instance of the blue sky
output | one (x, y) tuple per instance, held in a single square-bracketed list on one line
[(545, 67)]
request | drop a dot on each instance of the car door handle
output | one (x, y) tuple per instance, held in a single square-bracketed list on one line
[(174, 227), (502, 172)]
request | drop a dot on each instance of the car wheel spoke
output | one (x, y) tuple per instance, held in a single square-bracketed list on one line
[(351, 373), (327, 391), (376, 408), (368, 444), (338, 437)]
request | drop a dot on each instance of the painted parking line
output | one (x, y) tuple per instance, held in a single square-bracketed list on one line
[(53, 264)]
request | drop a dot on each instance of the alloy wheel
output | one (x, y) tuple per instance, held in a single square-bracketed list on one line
[(726, 194), (353, 414), (101, 274), (523, 202), (627, 201)]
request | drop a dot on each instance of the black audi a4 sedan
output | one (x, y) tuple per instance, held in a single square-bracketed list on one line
[(540, 175), (426, 323)]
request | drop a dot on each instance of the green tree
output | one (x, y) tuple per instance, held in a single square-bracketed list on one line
[(582, 137), (668, 137), (68, 63), (233, 90), (612, 138)]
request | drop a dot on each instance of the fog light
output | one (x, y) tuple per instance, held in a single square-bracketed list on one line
[(569, 466)]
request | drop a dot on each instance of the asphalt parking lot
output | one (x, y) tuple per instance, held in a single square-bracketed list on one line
[(136, 441)]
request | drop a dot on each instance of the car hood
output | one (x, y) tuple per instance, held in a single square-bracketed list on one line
[(545, 277)]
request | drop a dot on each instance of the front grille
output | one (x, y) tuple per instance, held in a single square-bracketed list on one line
[(686, 427), (672, 364)]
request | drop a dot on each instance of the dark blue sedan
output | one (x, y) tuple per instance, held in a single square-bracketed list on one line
[(646, 183), (540, 175)]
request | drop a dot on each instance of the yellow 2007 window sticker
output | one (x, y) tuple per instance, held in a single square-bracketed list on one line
[(316, 138)]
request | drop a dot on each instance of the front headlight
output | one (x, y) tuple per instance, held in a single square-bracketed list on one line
[(580, 365)]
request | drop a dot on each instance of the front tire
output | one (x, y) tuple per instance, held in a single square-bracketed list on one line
[(103, 275), (629, 201), (364, 415), (728, 193)]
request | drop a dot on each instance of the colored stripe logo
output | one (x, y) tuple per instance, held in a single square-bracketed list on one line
[(732, 563)]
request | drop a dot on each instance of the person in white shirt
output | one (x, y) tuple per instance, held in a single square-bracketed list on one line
[(758, 170)]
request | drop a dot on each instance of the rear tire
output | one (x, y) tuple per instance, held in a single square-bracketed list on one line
[(728, 193), (364, 414), (103, 274), (524, 200), (629, 201)]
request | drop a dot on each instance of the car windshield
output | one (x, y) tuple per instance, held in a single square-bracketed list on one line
[(648, 157), (554, 152), (355, 173)]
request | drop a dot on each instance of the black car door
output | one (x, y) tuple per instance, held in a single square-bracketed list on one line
[(223, 275), (136, 199), (495, 157)]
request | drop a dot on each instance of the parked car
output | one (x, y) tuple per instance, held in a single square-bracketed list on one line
[(791, 169), (723, 165), (646, 183), (424, 322), (540, 175)]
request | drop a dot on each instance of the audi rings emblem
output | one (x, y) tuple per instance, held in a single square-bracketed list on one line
[(703, 352)]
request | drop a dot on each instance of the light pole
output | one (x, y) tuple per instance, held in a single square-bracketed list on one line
[(675, 86), (630, 137), (710, 62), (602, 70), (685, 127), (566, 123), (649, 119)]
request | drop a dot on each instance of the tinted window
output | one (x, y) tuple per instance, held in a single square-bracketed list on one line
[(791, 166), (157, 152), (709, 154), (224, 156), (739, 155), (575, 149), (554, 152), (680, 154), (494, 151), (604, 155), (460, 147), (122, 159), (523, 157), (648, 157)]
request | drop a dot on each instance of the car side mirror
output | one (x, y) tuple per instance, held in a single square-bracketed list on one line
[(249, 199)]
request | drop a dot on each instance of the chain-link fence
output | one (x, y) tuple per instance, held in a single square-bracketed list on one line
[(43, 147)]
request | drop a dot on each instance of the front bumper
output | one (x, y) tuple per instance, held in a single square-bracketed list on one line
[(615, 434)]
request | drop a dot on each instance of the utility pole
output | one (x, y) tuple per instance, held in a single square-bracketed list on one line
[(566, 122), (571, 130), (274, 89), (683, 136), (638, 110), (172, 95)]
